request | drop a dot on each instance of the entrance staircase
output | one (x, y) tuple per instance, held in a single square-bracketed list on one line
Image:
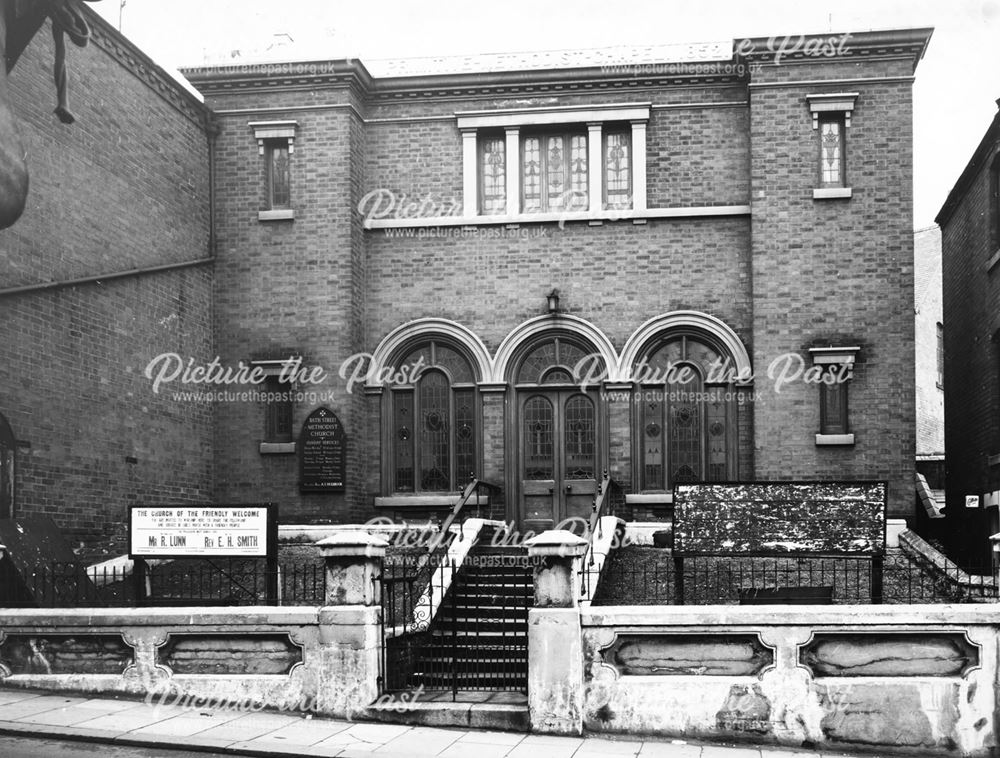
[(471, 667), (479, 639)]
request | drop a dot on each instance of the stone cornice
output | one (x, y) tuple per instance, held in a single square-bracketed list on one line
[(295, 76), (131, 58), (832, 47)]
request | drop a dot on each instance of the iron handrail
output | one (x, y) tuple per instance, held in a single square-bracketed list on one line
[(595, 529), (470, 489)]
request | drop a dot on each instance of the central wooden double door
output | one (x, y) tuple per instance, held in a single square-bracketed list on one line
[(558, 450)]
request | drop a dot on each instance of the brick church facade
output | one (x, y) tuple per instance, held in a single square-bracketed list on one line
[(709, 244)]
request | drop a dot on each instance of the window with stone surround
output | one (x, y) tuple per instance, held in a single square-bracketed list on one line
[(831, 120), (554, 161), (276, 143), (835, 369)]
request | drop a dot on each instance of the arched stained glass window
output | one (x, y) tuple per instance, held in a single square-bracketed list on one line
[(435, 435), (687, 417), (551, 362)]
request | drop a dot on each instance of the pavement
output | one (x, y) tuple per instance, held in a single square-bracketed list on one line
[(134, 722)]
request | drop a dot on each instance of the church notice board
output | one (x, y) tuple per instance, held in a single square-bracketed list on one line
[(773, 518), (322, 450), (203, 531)]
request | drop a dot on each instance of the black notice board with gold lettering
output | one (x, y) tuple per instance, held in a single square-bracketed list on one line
[(322, 450)]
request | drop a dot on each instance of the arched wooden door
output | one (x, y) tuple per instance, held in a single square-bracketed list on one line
[(558, 456)]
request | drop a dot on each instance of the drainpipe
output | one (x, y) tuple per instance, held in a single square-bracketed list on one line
[(212, 132)]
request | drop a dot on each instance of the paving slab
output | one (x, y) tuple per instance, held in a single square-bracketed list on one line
[(183, 726), (717, 751), (601, 746), (493, 738), (302, 734), (13, 696), (421, 742), (669, 750), (33, 706)]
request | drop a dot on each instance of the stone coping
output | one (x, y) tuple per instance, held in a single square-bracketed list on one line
[(56, 619), (791, 615)]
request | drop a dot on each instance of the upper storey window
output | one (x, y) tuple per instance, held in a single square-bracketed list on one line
[(554, 172), (554, 161), (831, 119), (276, 143)]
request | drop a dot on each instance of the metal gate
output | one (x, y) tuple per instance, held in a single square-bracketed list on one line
[(455, 628)]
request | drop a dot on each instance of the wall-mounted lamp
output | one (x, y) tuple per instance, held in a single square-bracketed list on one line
[(553, 299)]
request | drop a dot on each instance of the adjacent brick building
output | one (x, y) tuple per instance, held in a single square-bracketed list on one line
[(970, 233), (455, 251), (124, 189)]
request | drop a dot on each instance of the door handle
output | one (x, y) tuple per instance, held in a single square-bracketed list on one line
[(569, 489), (552, 490)]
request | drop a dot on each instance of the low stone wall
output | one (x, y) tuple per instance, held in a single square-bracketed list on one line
[(318, 660), (908, 679)]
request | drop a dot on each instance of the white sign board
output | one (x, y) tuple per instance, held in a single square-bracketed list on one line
[(972, 501), (206, 531)]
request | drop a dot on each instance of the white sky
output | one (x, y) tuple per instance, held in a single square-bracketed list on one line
[(956, 87)]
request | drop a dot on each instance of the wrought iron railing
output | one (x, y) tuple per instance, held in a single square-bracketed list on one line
[(175, 583), (459, 510), (647, 576)]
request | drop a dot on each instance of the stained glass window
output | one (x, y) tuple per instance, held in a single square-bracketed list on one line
[(538, 436), (579, 436), (687, 427), (278, 174), (684, 442), (531, 180), (831, 152), (493, 176), (537, 367), (617, 170), (434, 441), (434, 447), (403, 432), (554, 173)]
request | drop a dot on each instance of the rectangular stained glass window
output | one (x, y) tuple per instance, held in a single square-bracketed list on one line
[(278, 175), (617, 170), (465, 436), (402, 417), (831, 134), (493, 176), (554, 173)]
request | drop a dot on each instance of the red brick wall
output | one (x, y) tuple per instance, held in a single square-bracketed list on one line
[(289, 287), (835, 272), (125, 187)]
